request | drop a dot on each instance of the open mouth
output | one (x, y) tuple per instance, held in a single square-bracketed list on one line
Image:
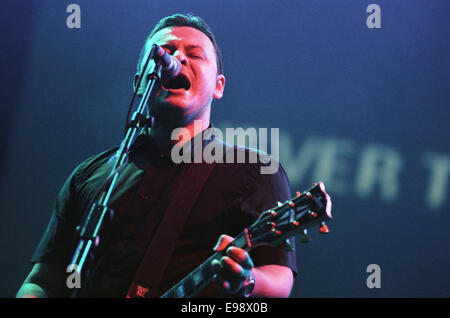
[(178, 82)]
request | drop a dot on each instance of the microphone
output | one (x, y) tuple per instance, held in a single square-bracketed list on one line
[(171, 66)]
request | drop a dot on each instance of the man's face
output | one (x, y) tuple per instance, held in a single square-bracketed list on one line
[(188, 96)]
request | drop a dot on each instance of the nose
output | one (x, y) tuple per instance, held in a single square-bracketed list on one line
[(181, 57)]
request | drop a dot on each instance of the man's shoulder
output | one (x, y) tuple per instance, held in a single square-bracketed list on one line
[(249, 158), (92, 163), (236, 148)]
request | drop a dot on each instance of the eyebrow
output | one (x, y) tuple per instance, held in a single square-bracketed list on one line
[(193, 46)]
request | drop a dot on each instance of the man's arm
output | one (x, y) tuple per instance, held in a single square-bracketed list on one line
[(44, 280), (272, 281)]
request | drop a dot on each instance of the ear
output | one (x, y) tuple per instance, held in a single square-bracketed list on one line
[(136, 80), (220, 86)]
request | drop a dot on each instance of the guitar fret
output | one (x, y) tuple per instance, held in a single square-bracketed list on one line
[(207, 271), (179, 291), (188, 285), (197, 278)]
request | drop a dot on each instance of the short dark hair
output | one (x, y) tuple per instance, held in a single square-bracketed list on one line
[(189, 20)]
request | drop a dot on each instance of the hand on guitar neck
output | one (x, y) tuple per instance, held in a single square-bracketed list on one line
[(233, 269)]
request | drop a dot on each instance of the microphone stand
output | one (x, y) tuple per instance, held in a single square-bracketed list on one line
[(89, 229)]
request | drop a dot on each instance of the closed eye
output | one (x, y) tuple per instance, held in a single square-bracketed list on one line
[(195, 56), (195, 51)]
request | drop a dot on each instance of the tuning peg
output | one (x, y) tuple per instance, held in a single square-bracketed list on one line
[(288, 246), (276, 232), (273, 225), (305, 237), (324, 228)]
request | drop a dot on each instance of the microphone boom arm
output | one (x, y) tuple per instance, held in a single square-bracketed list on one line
[(89, 229)]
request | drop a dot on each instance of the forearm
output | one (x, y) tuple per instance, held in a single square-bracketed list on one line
[(272, 281), (44, 281), (31, 290)]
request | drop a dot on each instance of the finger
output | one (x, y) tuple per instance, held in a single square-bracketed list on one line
[(216, 266), (241, 256), (224, 285), (231, 268), (222, 243)]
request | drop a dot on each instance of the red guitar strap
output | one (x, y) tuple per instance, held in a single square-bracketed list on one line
[(146, 281)]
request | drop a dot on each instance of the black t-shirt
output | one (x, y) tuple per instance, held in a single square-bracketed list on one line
[(232, 198)]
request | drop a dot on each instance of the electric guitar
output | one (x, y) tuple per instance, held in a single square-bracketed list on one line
[(273, 227)]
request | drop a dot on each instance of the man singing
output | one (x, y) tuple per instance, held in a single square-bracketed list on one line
[(231, 199)]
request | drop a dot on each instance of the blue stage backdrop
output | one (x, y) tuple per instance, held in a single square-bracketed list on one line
[(361, 100)]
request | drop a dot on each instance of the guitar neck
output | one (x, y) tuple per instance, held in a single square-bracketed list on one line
[(202, 276), (193, 283)]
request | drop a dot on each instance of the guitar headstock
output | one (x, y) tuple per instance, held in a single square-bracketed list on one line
[(295, 216)]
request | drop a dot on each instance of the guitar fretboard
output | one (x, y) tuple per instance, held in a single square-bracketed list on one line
[(193, 283)]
